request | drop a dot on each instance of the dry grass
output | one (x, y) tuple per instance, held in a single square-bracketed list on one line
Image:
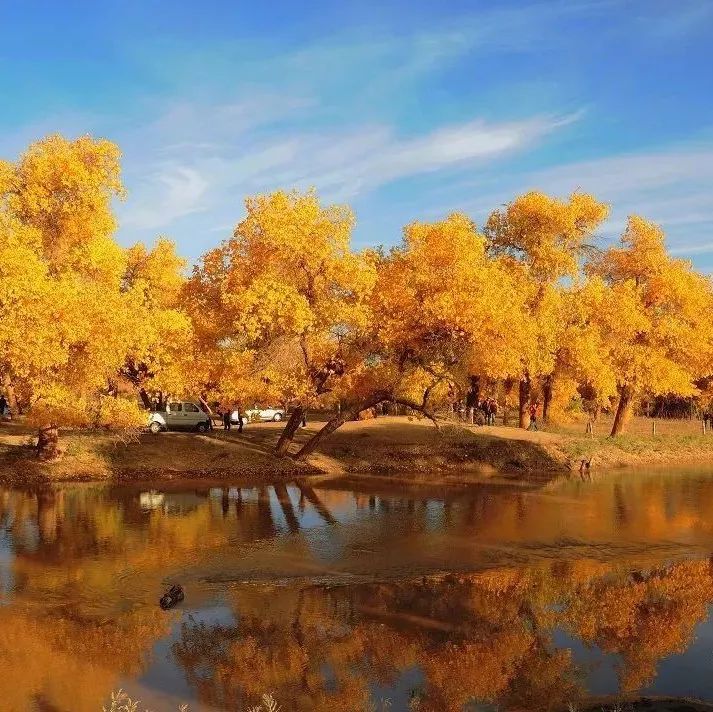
[(676, 441), (638, 427), (121, 702)]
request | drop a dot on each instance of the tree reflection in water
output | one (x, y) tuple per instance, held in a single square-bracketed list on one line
[(485, 637), (80, 569)]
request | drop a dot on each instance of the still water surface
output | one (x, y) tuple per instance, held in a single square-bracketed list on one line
[(342, 596)]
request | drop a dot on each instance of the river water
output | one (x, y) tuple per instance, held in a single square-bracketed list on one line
[(357, 596)]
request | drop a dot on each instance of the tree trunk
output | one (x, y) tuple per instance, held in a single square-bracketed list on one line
[(145, 398), (547, 384), (288, 510), (311, 496), (202, 400), (10, 395), (288, 434), (623, 410), (473, 395), (335, 423), (48, 443), (49, 513), (525, 389), (507, 390)]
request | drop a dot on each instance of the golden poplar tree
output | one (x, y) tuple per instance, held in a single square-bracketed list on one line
[(286, 299), (159, 359), (542, 239), (437, 301), (67, 319), (652, 313)]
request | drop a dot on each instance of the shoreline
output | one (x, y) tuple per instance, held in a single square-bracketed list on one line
[(398, 450)]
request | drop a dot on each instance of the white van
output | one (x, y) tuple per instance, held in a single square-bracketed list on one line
[(179, 415)]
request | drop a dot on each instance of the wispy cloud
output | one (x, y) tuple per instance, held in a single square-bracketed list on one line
[(677, 20), (170, 192), (702, 248), (431, 105), (195, 176), (670, 185)]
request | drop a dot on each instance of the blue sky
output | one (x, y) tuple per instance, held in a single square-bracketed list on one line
[(404, 110)]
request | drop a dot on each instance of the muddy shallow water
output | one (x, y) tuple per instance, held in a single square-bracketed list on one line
[(357, 595)]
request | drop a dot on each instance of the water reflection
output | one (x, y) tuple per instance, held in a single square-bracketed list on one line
[(473, 637), (337, 596)]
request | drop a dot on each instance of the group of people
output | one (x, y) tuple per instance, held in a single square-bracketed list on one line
[(489, 408), (227, 418), (227, 415), (486, 411)]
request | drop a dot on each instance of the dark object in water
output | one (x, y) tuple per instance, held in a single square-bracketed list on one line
[(173, 596), (585, 465)]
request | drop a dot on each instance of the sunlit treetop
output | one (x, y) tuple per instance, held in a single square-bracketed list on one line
[(159, 271), (64, 189), (546, 234), (68, 318), (441, 301)]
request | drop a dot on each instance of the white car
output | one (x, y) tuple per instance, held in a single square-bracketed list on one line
[(257, 413)]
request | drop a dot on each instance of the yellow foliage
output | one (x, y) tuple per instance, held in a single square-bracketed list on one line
[(649, 315), (67, 321), (285, 311), (545, 233), (284, 296)]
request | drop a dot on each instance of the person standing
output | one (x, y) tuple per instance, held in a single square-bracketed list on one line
[(226, 420), (240, 420), (3, 405), (492, 411), (533, 415)]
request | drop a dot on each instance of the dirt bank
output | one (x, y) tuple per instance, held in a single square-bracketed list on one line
[(396, 447)]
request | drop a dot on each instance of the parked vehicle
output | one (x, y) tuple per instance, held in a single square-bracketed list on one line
[(179, 415), (257, 413)]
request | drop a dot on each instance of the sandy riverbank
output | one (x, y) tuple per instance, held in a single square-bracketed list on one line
[(395, 447)]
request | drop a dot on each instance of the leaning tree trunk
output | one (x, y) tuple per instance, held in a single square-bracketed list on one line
[(288, 434), (623, 410), (334, 424), (525, 390), (48, 443), (547, 385)]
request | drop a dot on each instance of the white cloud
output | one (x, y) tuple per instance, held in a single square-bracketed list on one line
[(169, 193), (695, 249), (670, 185), (197, 176)]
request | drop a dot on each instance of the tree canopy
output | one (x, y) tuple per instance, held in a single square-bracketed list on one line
[(286, 311)]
